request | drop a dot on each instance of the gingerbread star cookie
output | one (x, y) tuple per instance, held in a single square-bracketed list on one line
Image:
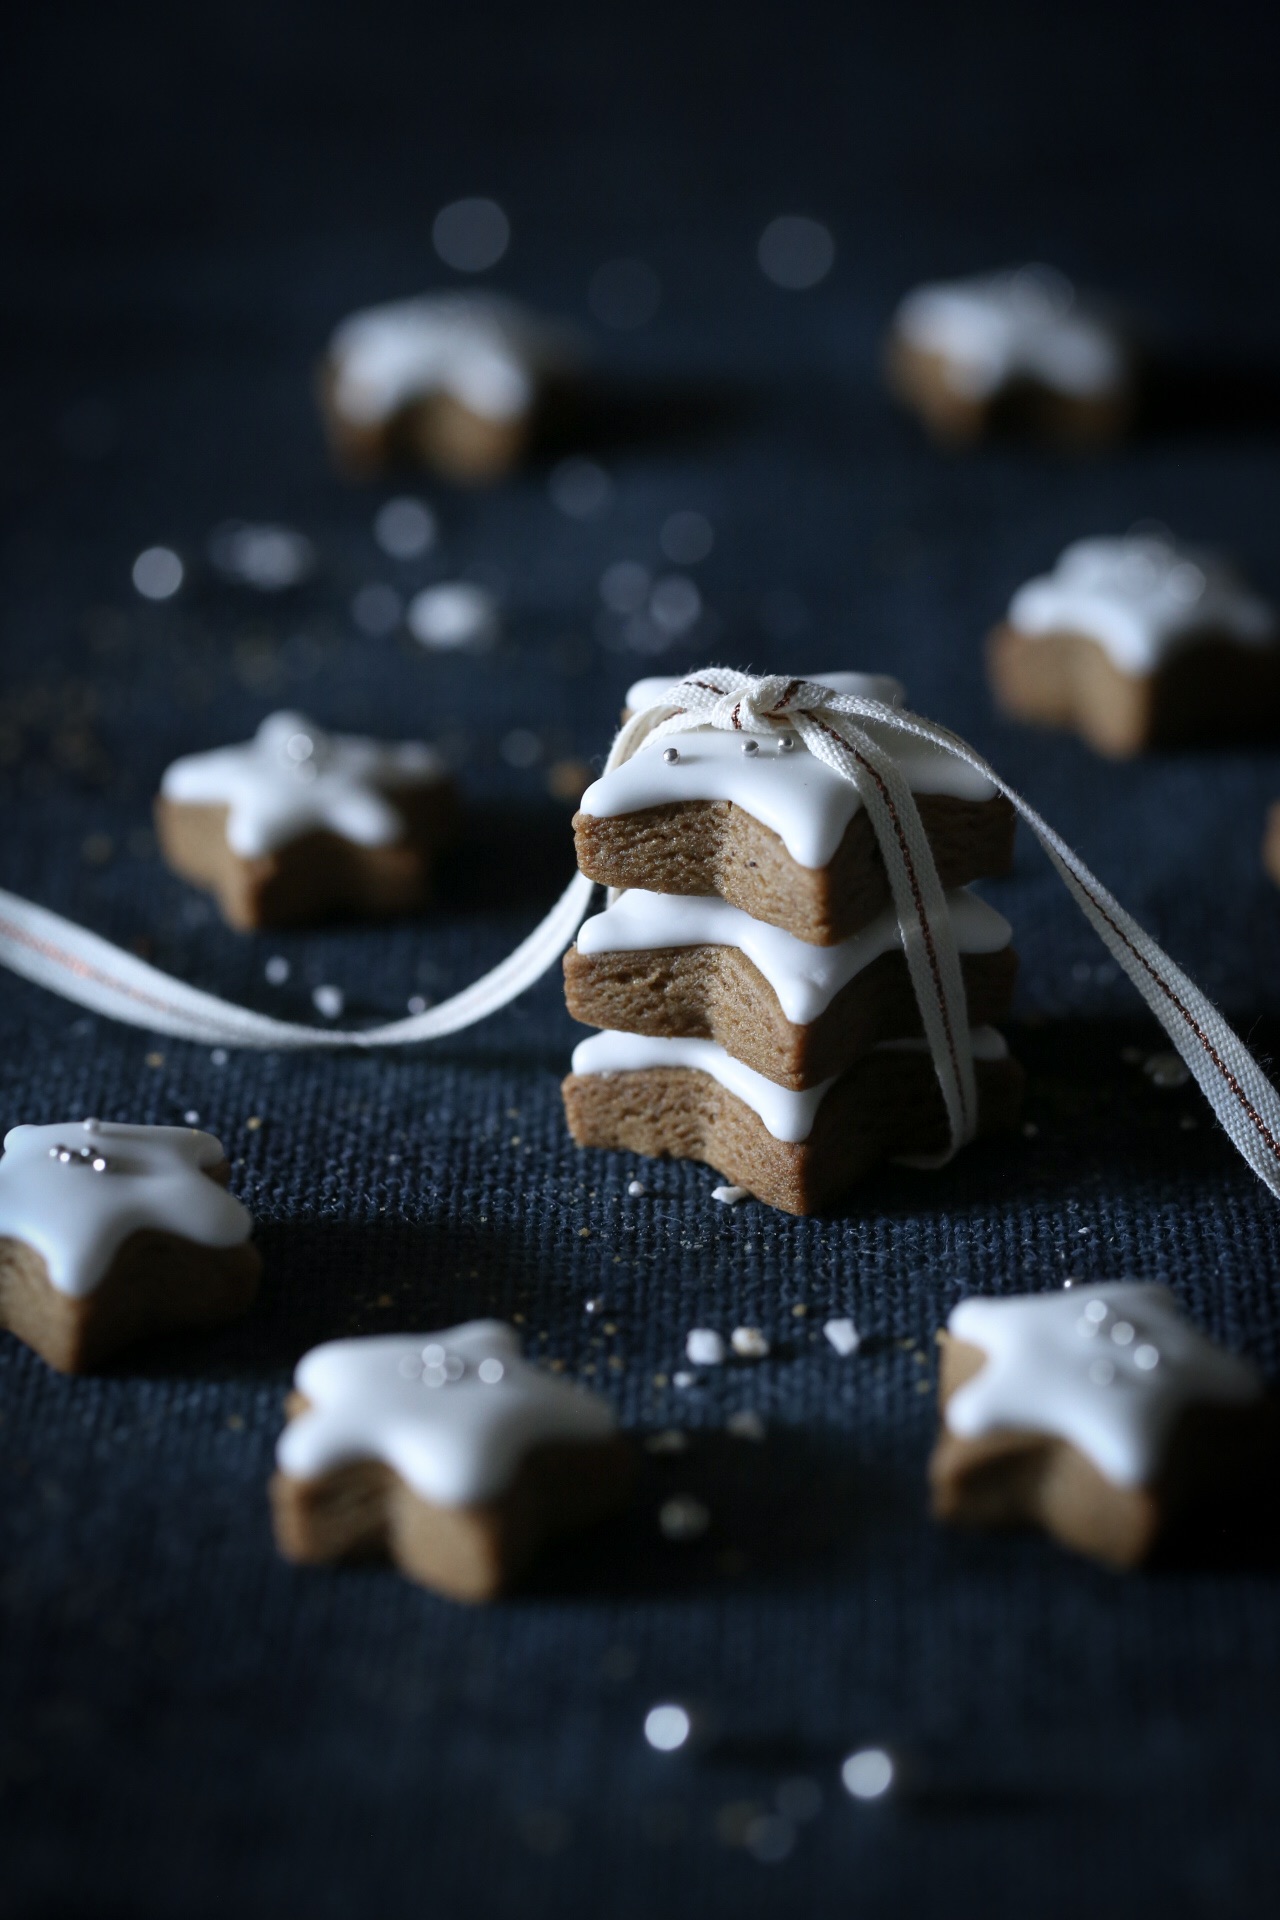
[(1097, 1413), (110, 1232), (298, 824), (447, 1451)]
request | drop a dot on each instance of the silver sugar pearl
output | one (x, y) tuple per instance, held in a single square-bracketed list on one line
[(1122, 1333), (1146, 1356), (671, 755), (750, 746), (490, 1371), (1097, 1311), (786, 743)]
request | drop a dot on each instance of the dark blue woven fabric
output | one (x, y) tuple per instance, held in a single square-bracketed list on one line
[(190, 1727)]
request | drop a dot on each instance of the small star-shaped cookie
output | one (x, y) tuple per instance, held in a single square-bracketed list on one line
[(1098, 1413), (109, 1232), (297, 822), (446, 1450)]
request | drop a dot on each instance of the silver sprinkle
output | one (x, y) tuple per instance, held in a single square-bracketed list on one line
[(490, 1371), (786, 743), (98, 1164), (434, 1354), (1097, 1311), (1122, 1333), (671, 755), (594, 1306), (751, 746), (91, 1126), (1146, 1356)]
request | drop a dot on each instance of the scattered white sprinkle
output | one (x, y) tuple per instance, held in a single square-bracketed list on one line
[(581, 489), (796, 252), (843, 1335), (269, 558), (158, 573), (417, 1003), (218, 1058), (637, 1189), (277, 970), (625, 586), (624, 294), (749, 1343), (1167, 1070), (377, 608), (746, 1425), (868, 1773), (667, 1727), (705, 1347), (683, 1517), (471, 235), (329, 1001), (675, 604), (520, 748), (730, 1196), (686, 538), (455, 614), (594, 1305), (191, 1118), (670, 1440), (404, 528)]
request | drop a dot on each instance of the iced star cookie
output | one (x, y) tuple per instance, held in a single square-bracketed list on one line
[(456, 381), (799, 1151), (447, 1451), (769, 828), (1097, 1413), (1136, 643), (111, 1232), (1018, 351), (679, 966), (297, 824)]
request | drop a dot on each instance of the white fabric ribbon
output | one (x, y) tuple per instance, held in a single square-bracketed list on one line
[(57, 954)]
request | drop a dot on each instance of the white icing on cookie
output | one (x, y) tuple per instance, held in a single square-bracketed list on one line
[(486, 352), (1140, 598), (805, 802), (787, 1115), (1025, 324), (293, 778), (77, 1214), (453, 1413), (805, 978), (1107, 1368)]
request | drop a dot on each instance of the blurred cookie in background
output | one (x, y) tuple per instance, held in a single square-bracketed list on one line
[(1018, 352), (1138, 643)]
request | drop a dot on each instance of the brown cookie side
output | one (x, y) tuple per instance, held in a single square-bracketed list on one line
[(1271, 842), (1209, 690), (714, 847), (889, 1103), (157, 1283), (718, 993), (471, 1553), (315, 877), (1019, 408), (435, 430)]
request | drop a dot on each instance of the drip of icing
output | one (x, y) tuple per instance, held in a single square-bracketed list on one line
[(77, 1220), (1140, 598), (1029, 323), (487, 352), (453, 1413), (292, 778), (805, 978), (805, 802), (788, 1116), (1107, 1368)]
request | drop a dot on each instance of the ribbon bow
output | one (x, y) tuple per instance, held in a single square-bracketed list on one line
[(847, 731)]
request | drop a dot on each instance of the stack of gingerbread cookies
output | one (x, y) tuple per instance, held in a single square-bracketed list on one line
[(749, 979)]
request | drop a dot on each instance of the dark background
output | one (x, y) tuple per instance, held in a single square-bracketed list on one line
[(192, 198)]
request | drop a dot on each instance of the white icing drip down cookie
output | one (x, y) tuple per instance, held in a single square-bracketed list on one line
[(453, 1413), (484, 351), (1025, 324), (805, 802), (1140, 597), (787, 1115), (293, 778), (76, 1191), (805, 978), (1109, 1369)]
